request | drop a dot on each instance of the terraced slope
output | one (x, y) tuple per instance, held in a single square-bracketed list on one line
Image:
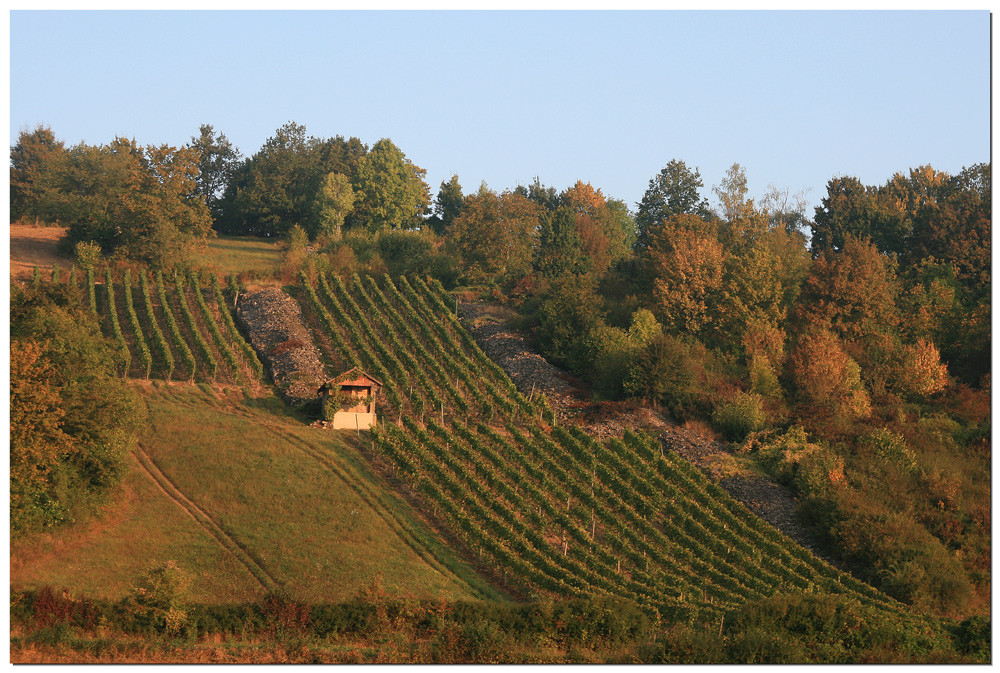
[(555, 511), (250, 500)]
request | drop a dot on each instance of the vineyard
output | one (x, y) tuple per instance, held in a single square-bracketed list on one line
[(555, 511), (178, 330), (549, 509)]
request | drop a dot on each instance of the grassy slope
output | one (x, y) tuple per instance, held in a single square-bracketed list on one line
[(298, 504), (235, 254)]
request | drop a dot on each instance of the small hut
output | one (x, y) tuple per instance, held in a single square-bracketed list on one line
[(353, 393)]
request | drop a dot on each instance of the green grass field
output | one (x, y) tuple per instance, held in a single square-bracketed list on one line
[(236, 254), (249, 500)]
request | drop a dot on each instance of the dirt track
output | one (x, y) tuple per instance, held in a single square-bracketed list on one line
[(32, 246)]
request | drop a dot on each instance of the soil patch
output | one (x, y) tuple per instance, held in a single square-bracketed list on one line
[(32, 246)]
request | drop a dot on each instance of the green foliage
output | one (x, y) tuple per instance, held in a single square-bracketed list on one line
[(496, 235), (333, 403), (560, 247), (448, 204), (334, 200), (884, 445), (218, 163), (36, 162), (158, 602), (604, 353), (811, 467), (672, 191), (276, 188), (739, 416), (160, 341), (665, 371), (145, 355), (567, 313), (99, 417), (390, 189), (135, 201)]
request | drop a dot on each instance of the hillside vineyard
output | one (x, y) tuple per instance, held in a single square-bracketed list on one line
[(551, 510)]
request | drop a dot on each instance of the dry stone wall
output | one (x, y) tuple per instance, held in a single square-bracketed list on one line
[(277, 331)]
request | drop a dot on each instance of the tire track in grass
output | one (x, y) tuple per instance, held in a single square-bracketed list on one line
[(347, 475), (206, 522), (381, 508)]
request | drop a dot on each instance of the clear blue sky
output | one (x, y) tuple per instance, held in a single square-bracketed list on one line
[(606, 97)]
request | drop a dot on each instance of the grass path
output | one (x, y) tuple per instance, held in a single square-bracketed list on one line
[(343, 462)]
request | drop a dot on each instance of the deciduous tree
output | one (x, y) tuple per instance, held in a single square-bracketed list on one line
[(672, 191), (37, 168), (334, 201), (218, 162), (391, 192), (496, 235)]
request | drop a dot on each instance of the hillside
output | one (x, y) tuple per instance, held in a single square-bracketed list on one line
[(469, 489), (251, 501)]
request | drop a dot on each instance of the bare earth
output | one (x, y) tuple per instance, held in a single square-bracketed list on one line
[(32, 246)]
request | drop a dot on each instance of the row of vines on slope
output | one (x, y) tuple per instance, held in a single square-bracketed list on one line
[(550, 509), (428, 368), (161, 336)]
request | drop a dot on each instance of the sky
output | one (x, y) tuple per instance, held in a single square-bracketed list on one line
[(606, 97)]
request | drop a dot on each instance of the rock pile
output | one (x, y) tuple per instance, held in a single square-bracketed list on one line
[(526, 368), (274, 323)]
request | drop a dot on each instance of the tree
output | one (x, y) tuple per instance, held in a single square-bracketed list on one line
[(37, 166), (955, 226), (448, 204), (496, 235), (37, 439), (827, 378), (334, 201), (566, 315), (391, 192), (271, 191), (743, 222), (672, 191), (139, 201), (851, 208), (73, 420), (785, 211), (559, 244), (687, 262), (545, 197), (218, 162), (853, 290)]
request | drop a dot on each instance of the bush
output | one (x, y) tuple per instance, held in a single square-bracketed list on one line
[(665, 372), (158, 601), (87, 254), (740, 416), (889, 447), (792, 459)]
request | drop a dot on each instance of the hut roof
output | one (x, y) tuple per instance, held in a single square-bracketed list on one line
[(353, 376)]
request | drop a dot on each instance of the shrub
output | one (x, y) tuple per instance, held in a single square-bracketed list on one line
[(685, 645), (664, 372), (889, 447), (158, 601), (87, 254), (740, 416)]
